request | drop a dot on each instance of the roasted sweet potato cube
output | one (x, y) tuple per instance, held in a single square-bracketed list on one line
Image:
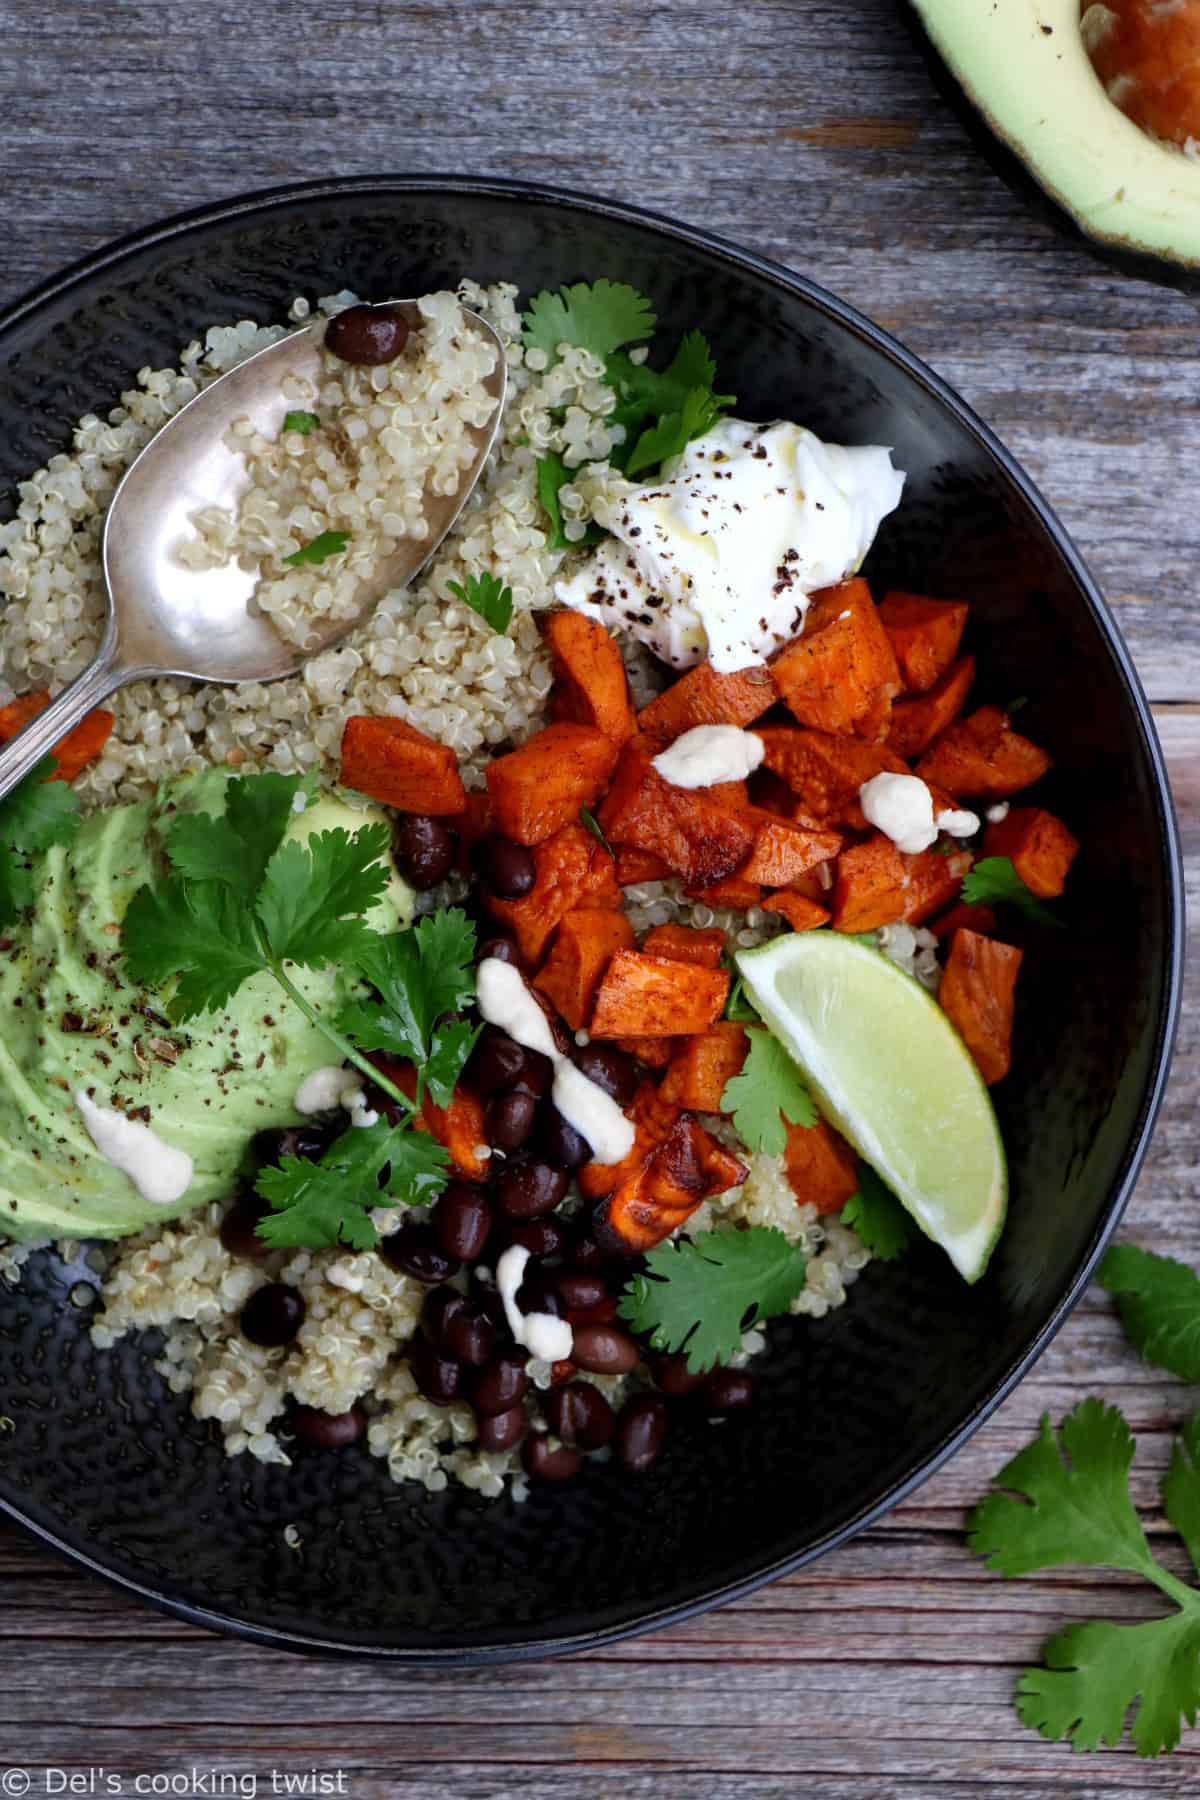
[(925, 635), (1039, 845), (971, 918), (652, 1118), (703, 697), (916, 723), (704, 1064), (583, 947), (72, 753), (784, 851), (981, 757), (821, 1166), (539, 788), (685, 943), (655, 1052), (694, 833), (590, 684), (399, 766), (734, 892), (826, 772), (977, 996), (878, 884), (801, 913), (571, 871), (688, 1168), (654, 996), (840, 674), (460, 1128), (637, 866)]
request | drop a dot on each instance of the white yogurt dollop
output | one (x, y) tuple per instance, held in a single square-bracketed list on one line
[(161, 1174), (708, 754), (717, 557)]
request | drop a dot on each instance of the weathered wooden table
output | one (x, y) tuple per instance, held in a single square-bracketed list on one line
[(808, 129)]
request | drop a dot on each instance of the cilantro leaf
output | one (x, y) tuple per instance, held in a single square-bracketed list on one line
[(553, 474), (1159, 1303), (1094, 1673), (700, 1296), (17, 891), (197, 931), (591, 824), (680, 398), (878, 1217), (317, 1204), (419, 974), (39, 812), (235, 848), (599, 316), (769, 1090), (489, 597), (453, 1042), (995, 882), (674, 431), (303, 422), (312, 893), (739, 1008), (319, 549), (1181, 1488)]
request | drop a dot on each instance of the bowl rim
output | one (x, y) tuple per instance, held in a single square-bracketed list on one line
[(532, 1647)]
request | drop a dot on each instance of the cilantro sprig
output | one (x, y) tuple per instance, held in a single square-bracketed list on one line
[(489, 597), (1159, 1303), (680, 400), (701, 1295), (38, 814), (591, 824), (552, 475), (240, 898), (300, 421), (319, 549), (874, 1212), (769, 1093), (995, 882)]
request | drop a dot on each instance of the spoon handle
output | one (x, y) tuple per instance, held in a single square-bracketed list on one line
[(24, 752)]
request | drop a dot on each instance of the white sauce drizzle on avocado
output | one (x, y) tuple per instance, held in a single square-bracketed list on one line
[(161, 1174)]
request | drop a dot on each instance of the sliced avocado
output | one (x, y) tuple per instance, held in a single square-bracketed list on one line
[(1024, 65)]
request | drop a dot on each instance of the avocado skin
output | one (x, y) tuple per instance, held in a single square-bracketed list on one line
[(1138, 265)]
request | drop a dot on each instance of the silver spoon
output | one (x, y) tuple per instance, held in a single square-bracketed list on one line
[(167, 619)]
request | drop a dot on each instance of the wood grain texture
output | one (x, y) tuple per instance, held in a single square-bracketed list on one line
[(808, 129)]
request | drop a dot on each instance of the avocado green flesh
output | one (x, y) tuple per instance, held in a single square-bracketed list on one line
[(70, 1019), (1024, 65)]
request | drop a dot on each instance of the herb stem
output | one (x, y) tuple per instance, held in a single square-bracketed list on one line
[(349, 1053)]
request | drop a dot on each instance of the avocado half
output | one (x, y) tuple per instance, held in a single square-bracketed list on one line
[(1023, 66)]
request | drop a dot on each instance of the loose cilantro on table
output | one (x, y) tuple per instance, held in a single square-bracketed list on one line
[(995, 882), (769, 1090), (303, 422), (489, 597), (240, 898), (319, 549), (38, 814), (1068, 1502), (701, 1296), (878, 1217), (591, 823), (1159, 1303)]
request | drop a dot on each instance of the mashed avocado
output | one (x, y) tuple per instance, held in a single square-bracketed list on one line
[(70, 1019)]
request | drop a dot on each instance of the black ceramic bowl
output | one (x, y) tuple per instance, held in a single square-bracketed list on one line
[(855, 1410)]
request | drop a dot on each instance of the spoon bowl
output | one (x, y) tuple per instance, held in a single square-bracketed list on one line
[(167, 618)]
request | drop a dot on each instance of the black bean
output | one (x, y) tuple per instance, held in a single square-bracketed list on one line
[(462, 1220), (545, 1460), (440, 1378), (603, 1350), (500, 1431), (578, 1291), (674, 1377), (368, 335), (526, 1190), (309, 1142), (537, 1294), (328, 1431), (500, 1384), (587, 1255), (510, 1121), (239, 1227), (273, 1315), (496, 1063), (423, 849), (415, 1251), (543, 1237), (535, 1078), (559, 1142), (502, 948), (470, 1336), (440, 1306), (729, 1390), (507, 870), (640, 1432), (610, 1069), (580, 1415)]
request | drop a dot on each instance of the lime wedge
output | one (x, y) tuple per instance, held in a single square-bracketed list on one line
[(890, 1071)]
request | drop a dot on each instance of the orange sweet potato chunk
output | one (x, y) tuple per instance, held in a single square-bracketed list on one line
[(591, 687), (583, 947), (571, 871), (636, 866), (925, 635), (840, 674), (655, 996), (652, 1118), (399, 766), (977, 996), (704, 1064), (878, 884), (801, 913), (821, 1167), (687, 1168), (784, 851), (73, 753), (687, 944), (971, 918), (693, 832), (461, 1127), (1039, 845), (826, 772), (655, 1052), (981, 757), (539, 788), (734, 891), (703, 697), (915, 723)]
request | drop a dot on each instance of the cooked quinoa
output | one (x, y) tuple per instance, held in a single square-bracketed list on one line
[(423, 657)]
